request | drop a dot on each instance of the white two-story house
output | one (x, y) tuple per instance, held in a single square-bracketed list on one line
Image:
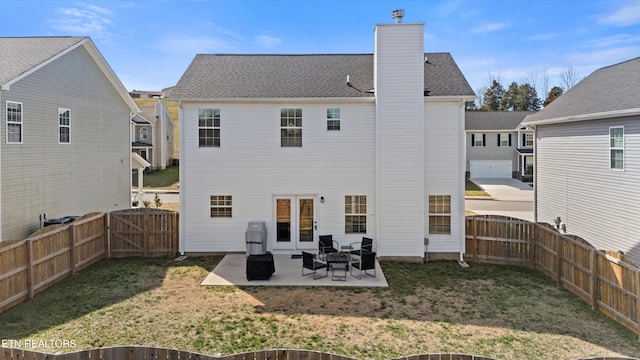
[(351, 145), (152, 135)]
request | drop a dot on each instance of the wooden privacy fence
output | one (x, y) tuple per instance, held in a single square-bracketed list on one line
[(151, 353), (607, 280), (55, 252)]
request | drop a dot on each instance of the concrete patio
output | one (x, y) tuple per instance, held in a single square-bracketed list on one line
[(232, 271)]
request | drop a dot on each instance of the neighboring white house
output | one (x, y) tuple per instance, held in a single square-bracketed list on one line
[(498, 146), (152, 135), (65, 147), (351, 145), (588, 159)]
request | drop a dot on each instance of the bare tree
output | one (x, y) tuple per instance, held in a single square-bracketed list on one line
[(568, 78)]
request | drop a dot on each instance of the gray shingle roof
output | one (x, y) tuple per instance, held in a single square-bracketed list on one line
[(20, 54), (611, 88), (494, 120), (299, 76)]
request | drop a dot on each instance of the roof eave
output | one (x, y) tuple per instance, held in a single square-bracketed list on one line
[(584, 117)]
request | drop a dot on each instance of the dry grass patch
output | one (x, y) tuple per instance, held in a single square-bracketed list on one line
[(498, 311)]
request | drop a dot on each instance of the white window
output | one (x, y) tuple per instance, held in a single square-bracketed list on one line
[(291, 127), (477, 139), (221, 206), (616, 148), (14, 122), (209, 127), (144, 134), (333, 119), (355, 214), (528, 139), (439, 214), (64, 126), (504, 140)]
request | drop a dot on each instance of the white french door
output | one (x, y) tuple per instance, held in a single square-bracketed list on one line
[(295, 222)]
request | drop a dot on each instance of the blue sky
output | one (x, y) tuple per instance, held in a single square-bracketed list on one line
[(150, 43)]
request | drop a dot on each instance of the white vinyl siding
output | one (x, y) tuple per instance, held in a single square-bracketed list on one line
[(14, 122), (255, 169), (574, 182), (64, 126)]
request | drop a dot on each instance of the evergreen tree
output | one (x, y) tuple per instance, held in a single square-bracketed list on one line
[(553, 94), (492, 99)]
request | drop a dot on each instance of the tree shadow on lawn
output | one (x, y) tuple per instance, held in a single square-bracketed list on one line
[(483, 295), (99, 286)]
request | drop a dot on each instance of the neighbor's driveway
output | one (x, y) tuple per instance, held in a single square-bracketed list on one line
[(509, 197)]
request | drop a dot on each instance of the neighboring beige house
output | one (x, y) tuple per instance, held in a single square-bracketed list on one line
[(588, 159), (65, 147), (498, 145), (152, 135)]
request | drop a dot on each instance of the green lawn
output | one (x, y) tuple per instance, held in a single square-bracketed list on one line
[(471, 189), (167, 178), (498, 311)]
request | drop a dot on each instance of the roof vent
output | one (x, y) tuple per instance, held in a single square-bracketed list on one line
[(397, 15)]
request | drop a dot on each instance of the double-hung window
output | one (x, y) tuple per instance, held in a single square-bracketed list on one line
[(616, 148), (478, 139), (209, 127), (14, 122), (221, 206), (504, 140), (333, 119), (290, 127), (439, 214), (528, 139), (355, 210), (64, 126), (144, 134)]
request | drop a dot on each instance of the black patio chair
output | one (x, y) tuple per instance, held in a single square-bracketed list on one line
[(309, 263), (364, 246), (326, 245), (366, 262)]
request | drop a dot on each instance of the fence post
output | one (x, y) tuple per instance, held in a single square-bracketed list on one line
[(475, 239), (30, 267), (594, 280), (72, 249), (533, 242), (637, 302), (559, 258), (107, 233), (146, 228)]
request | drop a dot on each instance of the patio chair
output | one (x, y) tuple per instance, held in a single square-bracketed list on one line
[(309, 263), (326, 245), (364, 246), (366, 262)]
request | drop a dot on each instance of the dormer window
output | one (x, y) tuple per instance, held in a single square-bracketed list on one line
[(144, 134)]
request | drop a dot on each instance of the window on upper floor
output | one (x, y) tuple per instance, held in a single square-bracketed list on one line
[(64, 126), (528, 139), (439, 214), (290, 127), (504, 140), (221, 206), (478, 139), (209, 127), (355, 214), (144, 134), (616, 148), (333, 119), (14, 122)]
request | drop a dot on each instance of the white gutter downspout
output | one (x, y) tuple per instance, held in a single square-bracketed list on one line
[(461, 179), (131, 131), (181, 121)]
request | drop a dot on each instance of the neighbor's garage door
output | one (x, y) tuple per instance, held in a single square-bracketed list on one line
[(490, 169)]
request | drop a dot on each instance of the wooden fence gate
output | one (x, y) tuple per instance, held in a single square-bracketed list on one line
[(143, 232)]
